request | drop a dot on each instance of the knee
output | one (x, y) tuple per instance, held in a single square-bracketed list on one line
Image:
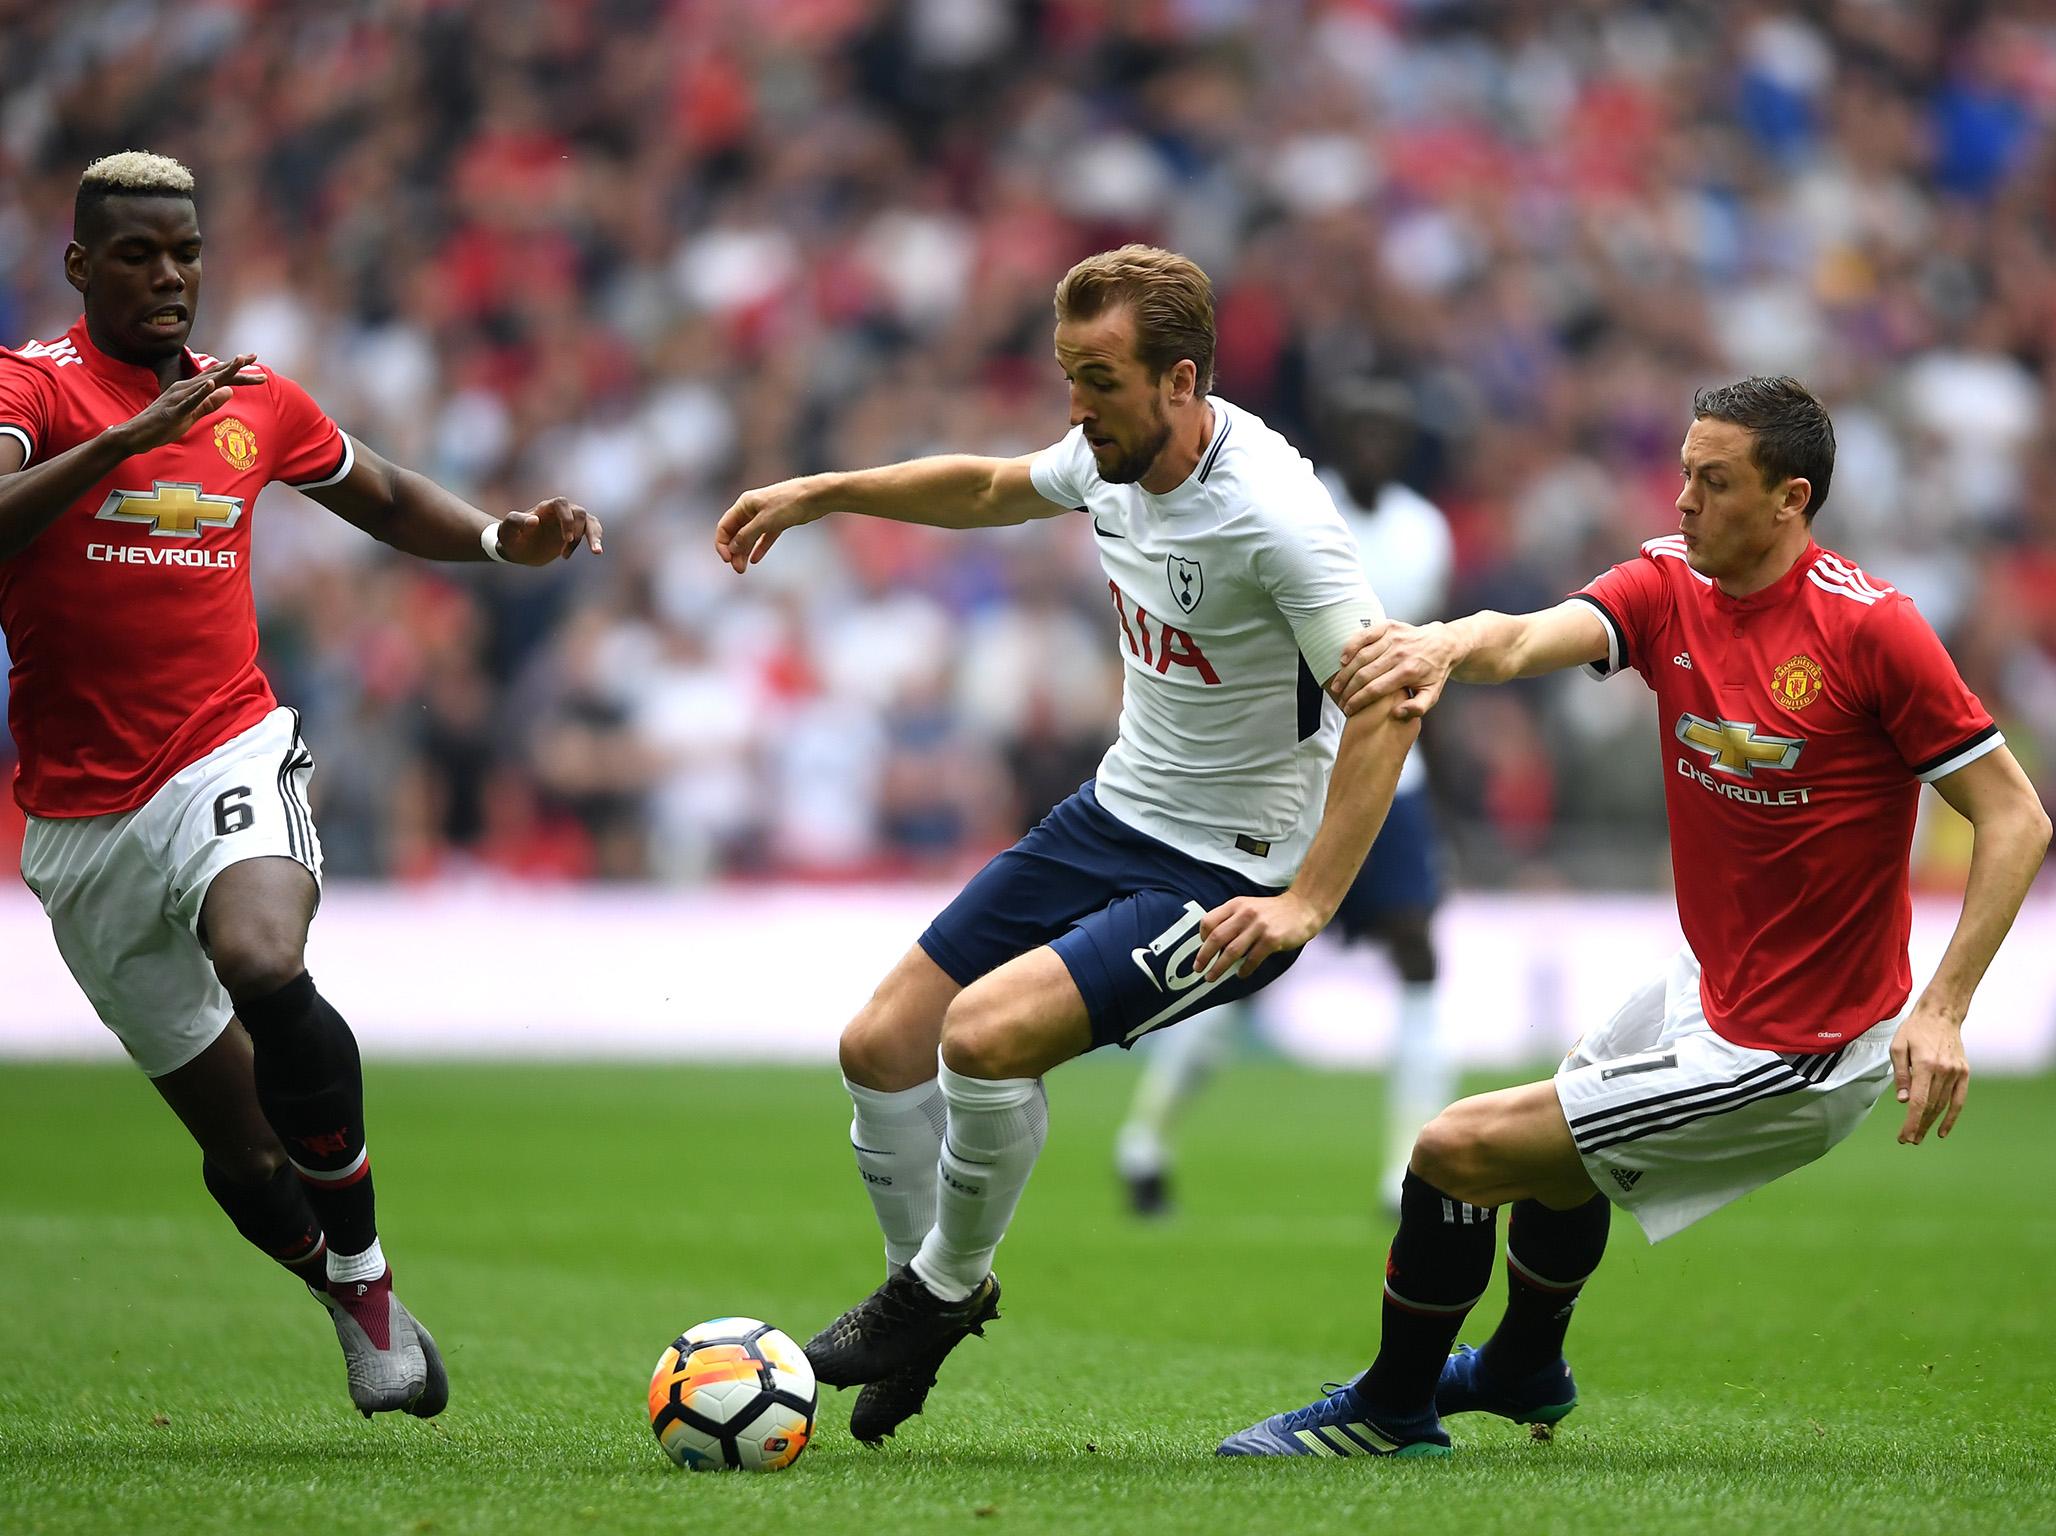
[(258, 956), (247, 1165), (1411, 945), (879, 1050), (1415, 959), (1450, 1154), (981, 1038)]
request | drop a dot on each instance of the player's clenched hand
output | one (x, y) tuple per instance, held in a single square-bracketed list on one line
[(748, 529), (1393, 658), (175, 411), (550, 530), (1932, 1072), (1242, 934)]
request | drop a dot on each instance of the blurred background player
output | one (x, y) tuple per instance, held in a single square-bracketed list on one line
[(1802, 704), (1368, 433), (168, 834), (1211, 845)]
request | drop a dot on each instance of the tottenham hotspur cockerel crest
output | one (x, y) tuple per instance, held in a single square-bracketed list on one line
[(1186, 583)]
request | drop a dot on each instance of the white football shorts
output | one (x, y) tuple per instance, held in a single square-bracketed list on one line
[(1673, 1122), (123, 892)]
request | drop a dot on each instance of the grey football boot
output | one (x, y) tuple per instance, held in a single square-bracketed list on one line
[(392, 1360)]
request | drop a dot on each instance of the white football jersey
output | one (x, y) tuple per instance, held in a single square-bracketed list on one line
[(1405, 544), (1232, 596)]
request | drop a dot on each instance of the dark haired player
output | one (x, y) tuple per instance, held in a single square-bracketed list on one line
[(1803, 703), (168, 833)]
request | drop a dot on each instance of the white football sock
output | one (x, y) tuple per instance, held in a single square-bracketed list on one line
[(1172, 1070), (995, 1133), (897, 1138), (1423, 1080), (347, 1268)]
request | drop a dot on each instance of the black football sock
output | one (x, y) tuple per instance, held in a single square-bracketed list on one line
[(1440, 1264), (1549, 1257), (274, 1217), (310, 1084)]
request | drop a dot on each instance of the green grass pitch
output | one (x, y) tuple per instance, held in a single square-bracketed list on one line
[(1864, 1347)]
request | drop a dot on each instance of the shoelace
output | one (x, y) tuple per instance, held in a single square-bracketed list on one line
[(1314, 1413)]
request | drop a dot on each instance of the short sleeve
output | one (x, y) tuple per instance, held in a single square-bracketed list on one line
[(1909, 679), (1630, 599), (1063, 470), (1313, 572), (312, 450), (27, 398)]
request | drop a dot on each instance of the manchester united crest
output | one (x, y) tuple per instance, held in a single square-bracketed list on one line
[(1796, 682), (237, 443)]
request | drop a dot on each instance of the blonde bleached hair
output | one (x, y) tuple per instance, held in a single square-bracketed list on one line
[(132, 173), (138, 173), (1170, 297)]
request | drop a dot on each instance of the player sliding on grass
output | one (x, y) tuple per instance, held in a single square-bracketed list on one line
[(168, 834), (1187, 874), (1801, 704)]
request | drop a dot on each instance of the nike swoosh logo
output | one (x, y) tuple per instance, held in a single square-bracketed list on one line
[(1106, 533), (1137, 954)]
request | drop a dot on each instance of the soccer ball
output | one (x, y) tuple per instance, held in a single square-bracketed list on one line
[(733, 1393)]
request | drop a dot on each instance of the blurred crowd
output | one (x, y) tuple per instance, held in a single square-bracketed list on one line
[(647, 253)]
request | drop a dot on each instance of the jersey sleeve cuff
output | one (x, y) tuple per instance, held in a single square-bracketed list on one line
[(1616, 639), (1042, 474), (1940, 767), (1321, 634), (341, 471), (20, 435)]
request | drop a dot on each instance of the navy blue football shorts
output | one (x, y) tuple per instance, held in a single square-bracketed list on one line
[(1121, 910)]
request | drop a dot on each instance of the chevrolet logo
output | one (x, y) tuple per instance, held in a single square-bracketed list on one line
[(174, 509), (1735, 747)]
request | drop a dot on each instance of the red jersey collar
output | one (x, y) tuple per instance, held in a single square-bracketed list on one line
[(1776, 592), (132, 374)]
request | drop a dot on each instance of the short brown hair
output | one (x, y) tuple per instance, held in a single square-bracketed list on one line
[(1171, 299), (1792, 437)]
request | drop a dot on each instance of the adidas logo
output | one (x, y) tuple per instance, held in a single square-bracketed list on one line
[(1682, 659), (1627, 1178)]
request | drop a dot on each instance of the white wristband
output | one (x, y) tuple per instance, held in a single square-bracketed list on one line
[(489, 541)]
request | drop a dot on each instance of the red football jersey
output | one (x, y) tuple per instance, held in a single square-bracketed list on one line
[(130, 621), (1798, 725)]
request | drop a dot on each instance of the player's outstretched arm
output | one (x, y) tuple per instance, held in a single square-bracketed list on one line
[(32, 499), (1242, 934), (2011, 833), (418, 517), (1486, 647), (955, 490)]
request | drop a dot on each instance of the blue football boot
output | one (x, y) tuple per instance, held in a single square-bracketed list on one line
[(1339, 1425), (1467, 1386)]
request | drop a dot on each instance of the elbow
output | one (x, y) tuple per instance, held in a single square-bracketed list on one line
[(2026, 826)]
